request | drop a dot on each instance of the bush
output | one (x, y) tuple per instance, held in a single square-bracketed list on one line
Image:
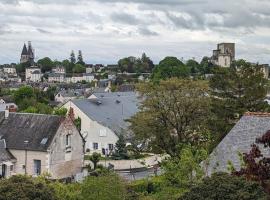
[(25, 188), (224, 186)]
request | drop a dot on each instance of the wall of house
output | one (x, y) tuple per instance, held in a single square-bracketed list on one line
[(224, 60), (96, 132), (66, 161), (31, 156)]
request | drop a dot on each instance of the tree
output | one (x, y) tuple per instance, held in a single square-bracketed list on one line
[(170, 67), (234, 91), (46, 64), (224, 186), (77, 123), (193, 65), (80, 58), (25, 188), (171, 114), (120, 147), (72, 57), (68, 66), (61, 112), (78, 68), (184, 170), (95, 158), (206, 66), (24, 92)]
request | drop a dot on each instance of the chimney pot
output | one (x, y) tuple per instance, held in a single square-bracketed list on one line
[(6, 112)]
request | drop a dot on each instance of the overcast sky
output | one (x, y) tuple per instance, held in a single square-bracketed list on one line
[(106, 30)]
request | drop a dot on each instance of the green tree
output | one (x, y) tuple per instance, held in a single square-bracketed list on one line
[(223, 186), (72, 57), (80, 58), (95, 158), (78, 123), (46, 64), (193, 65), (184, 170), (205, 66), (234, 91), (61, 111), (25, 188), (120, 147), (68, 66), (170, 67), (78, 68), (25, 92), (172, 113)]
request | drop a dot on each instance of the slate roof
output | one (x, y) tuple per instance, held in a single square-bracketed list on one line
[(72, 93), (24, 51), (5, 155), (114, 109), (20, 127), (239, 139)]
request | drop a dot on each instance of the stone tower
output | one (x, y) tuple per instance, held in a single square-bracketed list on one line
[(27, 54)]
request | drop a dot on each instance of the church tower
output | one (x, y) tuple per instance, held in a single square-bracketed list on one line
[(27, 54)]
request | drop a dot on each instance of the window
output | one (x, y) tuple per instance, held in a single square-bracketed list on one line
[(68, 140), (95, 146), (103, 133), (37, 167), (110, 147)]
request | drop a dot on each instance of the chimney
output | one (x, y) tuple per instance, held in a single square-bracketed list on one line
[(6, 112)]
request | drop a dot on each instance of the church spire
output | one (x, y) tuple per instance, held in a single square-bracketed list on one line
[(24, 51)]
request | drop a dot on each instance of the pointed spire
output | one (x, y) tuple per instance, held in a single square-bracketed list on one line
[(24, 51)]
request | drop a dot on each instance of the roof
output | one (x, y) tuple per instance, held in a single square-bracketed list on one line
[(24, 51), (5, 155), (239, 139), (34, 128), (36, 72), (72, 93), (110, 109)]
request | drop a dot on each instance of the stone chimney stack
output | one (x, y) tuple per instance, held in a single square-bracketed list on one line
[(6, 112)]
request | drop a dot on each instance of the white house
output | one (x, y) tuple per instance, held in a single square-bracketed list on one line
[(103, 117), (9, 70), (59, 70), (88, 77), (34, 78), (56, 77), (33, 144)]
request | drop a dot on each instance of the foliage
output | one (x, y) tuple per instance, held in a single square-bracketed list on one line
[(77, 123), (184, 171), (95, 158), (40, 108), (72, 57), (223, 186), (120, 148), (193, 65), (172, 113), (80, 58), (235, 90), (61, 111), (256, 166), (25, 188), (103, 188), (25, 92), (46, 64), (170, 67), (136, 65), (78, 68)]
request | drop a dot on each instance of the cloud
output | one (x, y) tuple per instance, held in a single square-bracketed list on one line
[(107, 30)]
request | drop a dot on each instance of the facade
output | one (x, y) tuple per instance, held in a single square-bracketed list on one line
[(27, 54), (40, 144), (103, 118), (59, 70), (224, 54), (238, 140), (36, 76), (29, 71), (88, 77), (56, 77), (10, 70)]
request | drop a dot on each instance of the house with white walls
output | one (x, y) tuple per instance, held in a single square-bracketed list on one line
[(103, 118)]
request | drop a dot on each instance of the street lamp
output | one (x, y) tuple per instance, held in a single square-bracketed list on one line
[(26, 142)]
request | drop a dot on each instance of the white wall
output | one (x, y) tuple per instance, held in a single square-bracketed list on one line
[(94, 130)]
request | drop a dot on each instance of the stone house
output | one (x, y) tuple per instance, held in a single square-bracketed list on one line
[(103, 117), (33, 144), (224, 54)]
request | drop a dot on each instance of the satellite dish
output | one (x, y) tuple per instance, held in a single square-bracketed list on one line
[(84, 134)]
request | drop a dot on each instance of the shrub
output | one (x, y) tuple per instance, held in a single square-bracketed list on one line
[(224, 186)]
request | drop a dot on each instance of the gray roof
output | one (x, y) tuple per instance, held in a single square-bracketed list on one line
[(34, 128), (56, 75), (72, 93), (239, 139), (110, 109), (5, 155)]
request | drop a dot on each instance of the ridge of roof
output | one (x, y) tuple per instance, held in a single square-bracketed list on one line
[(257, 114)]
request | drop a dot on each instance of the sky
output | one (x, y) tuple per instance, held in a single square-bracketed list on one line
[(107, 30)]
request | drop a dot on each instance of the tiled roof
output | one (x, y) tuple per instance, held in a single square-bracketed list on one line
[(239, 139), (21, 127), (5, 155)]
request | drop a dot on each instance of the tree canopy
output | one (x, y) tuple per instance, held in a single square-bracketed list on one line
[(172, 113)]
